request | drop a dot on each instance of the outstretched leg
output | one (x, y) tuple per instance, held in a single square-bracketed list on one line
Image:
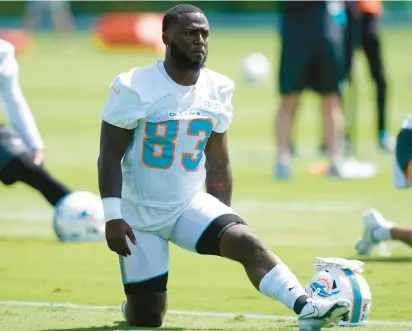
[(23, 169), (266, 271), (377, 229), (209, 227)]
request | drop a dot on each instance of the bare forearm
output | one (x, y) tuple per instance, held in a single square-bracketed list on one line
[(110, 176), (219, 182)]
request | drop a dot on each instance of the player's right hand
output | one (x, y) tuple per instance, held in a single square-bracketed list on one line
[(38, 157), (116, 232)]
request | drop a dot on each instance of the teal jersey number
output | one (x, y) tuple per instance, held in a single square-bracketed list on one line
[(159, 144)]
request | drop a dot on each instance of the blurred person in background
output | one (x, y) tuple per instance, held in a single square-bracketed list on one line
[(21, 150), (59, 10), (312, 58), (363, 30)]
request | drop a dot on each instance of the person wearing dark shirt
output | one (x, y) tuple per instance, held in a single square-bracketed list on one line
[(312, 57)]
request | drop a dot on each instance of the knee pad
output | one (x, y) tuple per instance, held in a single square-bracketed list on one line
[(147, 302), (153, 285)]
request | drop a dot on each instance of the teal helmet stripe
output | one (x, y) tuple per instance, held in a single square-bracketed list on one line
[(357, 297)]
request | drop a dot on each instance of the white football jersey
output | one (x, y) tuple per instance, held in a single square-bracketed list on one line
[(164, 163)]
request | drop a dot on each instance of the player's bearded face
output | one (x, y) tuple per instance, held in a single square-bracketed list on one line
[(184, 60)]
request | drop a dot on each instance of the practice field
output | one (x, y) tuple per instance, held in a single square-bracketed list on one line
[(66, 86)]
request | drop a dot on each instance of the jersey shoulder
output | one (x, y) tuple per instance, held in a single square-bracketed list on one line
[(129, 95), (219, 82), (138, 79), (6, 49), (222, 88)]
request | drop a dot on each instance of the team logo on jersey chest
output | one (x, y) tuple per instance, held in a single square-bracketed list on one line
[(185, 113), (208, 106), (211, 104)]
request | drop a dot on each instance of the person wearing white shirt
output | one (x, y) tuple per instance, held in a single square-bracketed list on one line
[(22, 147), (163, 139)]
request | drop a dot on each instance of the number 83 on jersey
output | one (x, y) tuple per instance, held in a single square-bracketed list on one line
[(159, 143)]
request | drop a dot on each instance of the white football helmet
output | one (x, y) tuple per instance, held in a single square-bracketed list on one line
[(79, 216), (340, 278)]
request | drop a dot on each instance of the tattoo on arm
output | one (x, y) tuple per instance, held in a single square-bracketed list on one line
[(219, 180)]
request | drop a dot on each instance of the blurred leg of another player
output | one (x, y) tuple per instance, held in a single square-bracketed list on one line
[(378, 230), (311, 58), (372, 47), (363, 30), (60, 15), (17, 165), (349, 91)]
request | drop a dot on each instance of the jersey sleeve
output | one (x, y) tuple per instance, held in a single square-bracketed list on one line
[(8, 65), (16, 107), (123, 107), (226, 112)]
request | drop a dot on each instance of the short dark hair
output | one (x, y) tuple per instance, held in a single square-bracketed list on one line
[(172, 15)]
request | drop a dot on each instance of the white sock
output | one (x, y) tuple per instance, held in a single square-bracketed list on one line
[(281, 284), (383, 233)]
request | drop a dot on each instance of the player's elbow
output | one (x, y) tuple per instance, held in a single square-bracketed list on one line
[(100, 162), (221, 166), (107, 159), (105, 168), (220, 161)]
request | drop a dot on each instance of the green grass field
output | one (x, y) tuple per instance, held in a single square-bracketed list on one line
[(307, 217)]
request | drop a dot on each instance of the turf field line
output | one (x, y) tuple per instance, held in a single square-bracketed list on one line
[(304, 206), (22, 215), (177, 312), (242, 205)]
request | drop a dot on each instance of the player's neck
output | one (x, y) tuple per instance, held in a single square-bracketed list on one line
[(186, 77)]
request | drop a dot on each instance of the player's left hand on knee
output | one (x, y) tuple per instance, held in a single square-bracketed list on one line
[(116, 232)]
